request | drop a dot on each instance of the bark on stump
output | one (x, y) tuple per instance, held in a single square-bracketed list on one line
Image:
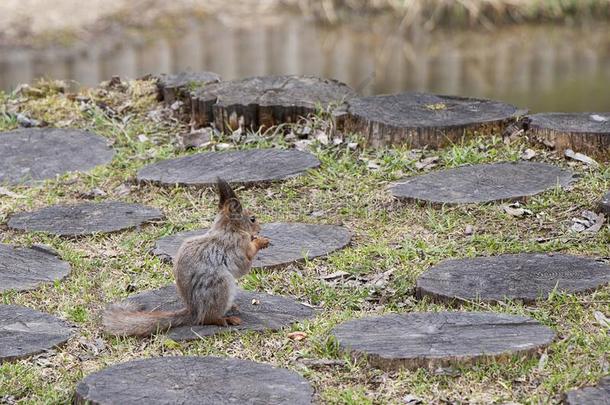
[(262, 102), (422, 120), (180, 86), (587, 133)]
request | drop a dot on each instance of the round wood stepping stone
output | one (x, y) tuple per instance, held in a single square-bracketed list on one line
[(193, 380), (85, 218), (482, 183), (246, 167), (27, 268), (264, 101), (32, 154), (290, 242), (598, 395), (25, 332), (604, 204), (583, 132), (177, 86), (421, 119), (433, 339), (258, 312), (523, 277)]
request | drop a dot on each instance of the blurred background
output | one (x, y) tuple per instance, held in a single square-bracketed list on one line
[(541, 54)]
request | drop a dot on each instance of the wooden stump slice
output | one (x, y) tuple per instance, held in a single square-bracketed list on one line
[(482, 183), (587, 133), (441, 339), (246, 167), (31, 154), (24, 269), (193, 380), (264, 101), (258, 312), (25, 332), (598, 395), (290, 242), (423, 120), (85, 218), (604, 204), (523, 277), (179, 86)]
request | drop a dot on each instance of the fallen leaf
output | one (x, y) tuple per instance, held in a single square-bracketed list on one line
[(337, 274), (528, 154), (352, 145), (9, 193), (569, 153), (602, 319), (588, 221), (469, 230), (542, 362), (297, 336), (515, 210), (427, 163)]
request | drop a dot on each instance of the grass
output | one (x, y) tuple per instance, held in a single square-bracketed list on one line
[(388, 236)]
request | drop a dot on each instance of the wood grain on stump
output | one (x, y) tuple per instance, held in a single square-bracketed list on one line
[(604, 204), (27, 268), (179, 86), (598, 395), (85, 218), (193, 380), (587, 133), (423, 120), (440, 339), (25, 332), (482, 183), (32, 154), (290, 242), (258, 312), (264, 101), (246, 167), (523, 277)]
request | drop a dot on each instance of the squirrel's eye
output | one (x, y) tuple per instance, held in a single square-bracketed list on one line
[(253, 219)]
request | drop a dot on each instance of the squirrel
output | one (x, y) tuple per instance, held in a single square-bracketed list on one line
[(206, 269)]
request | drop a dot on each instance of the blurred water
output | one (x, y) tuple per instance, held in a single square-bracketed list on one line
[(544, 68)]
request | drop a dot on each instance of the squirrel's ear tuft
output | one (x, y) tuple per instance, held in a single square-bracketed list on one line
[(228, 198)]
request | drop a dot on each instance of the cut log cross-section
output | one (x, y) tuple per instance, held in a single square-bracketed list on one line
[(422, 120), (587, 133), (264, 101)]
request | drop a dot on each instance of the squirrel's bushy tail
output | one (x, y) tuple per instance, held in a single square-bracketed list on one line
[(129, 319)]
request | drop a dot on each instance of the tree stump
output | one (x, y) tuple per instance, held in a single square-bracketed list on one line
[(258, 312), (31, 154), (245, 167), (258, 102), (598, 395), (523, 277), (423, 120), (604, 204), (173, 87), (289, 243), (85, 218), (482, 183), (24, 269), (441, 339), (25, 332), (588, 133), (193, 380)]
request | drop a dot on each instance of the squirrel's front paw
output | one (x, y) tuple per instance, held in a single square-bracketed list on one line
[(262, 242)]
